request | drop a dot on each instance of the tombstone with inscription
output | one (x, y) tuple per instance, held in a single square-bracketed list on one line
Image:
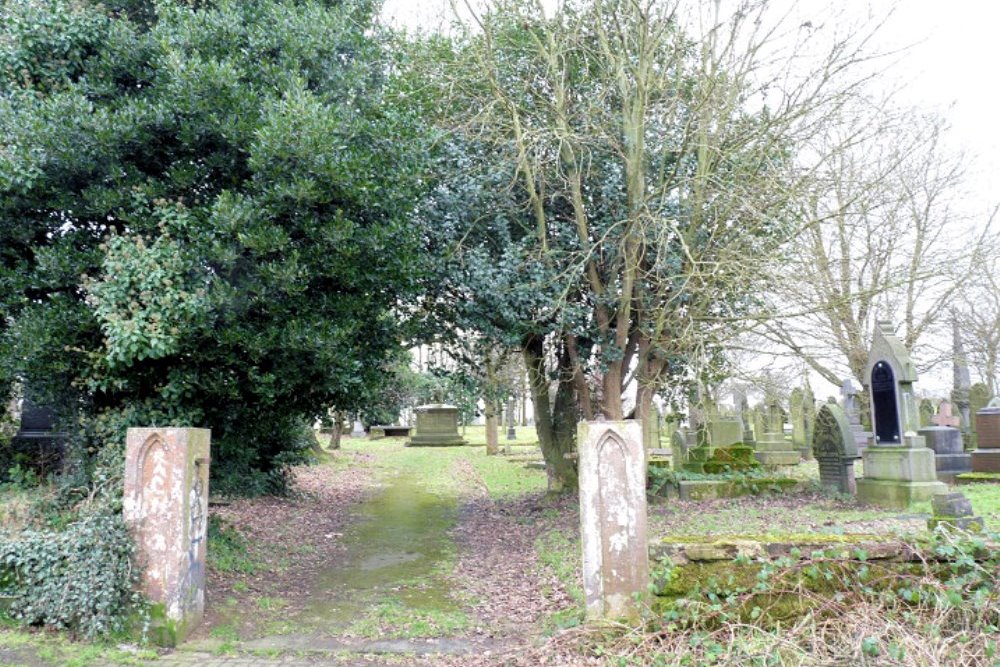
[(651, 428), (613, 519), (437, 426), (986, 457), (166, 509), (835, 449), (900, 468)]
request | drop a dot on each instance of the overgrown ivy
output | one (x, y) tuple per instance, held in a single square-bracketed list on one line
[(80, 578)]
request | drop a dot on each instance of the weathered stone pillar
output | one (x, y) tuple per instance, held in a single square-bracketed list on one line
[(166, 508), (613, 518)]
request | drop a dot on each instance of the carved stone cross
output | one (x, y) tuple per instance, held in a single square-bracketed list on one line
[(944, 416)]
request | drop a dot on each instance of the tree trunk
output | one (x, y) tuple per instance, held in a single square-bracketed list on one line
[(555, 422), (336, 431), (492, 439)]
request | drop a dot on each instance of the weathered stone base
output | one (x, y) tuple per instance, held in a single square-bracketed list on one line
[(986, 460), (438, 441), (786, 458), (897, 494), (971, 524), (950, 465), (978, 478), (710, 489)]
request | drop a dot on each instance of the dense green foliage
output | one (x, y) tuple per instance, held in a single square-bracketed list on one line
[(203, 214), (80, 578)]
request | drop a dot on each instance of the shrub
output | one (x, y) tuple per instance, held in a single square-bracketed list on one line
[(80, 578)]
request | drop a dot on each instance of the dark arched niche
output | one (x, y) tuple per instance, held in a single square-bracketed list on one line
[(886, 416)]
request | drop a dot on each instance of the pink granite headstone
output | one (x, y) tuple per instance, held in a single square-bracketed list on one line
[(166, 508)]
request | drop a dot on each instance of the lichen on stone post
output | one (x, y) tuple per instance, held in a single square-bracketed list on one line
[(613, 518), (166, 509)]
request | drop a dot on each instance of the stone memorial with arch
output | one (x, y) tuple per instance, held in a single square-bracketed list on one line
[(899, 467)]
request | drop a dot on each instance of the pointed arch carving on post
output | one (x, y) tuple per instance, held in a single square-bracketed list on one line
[(613, 517)]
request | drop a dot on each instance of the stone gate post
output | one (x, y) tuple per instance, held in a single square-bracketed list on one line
[(613, 518), (166, 509)]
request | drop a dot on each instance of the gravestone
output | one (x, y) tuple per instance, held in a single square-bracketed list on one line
[(849, 399), (680, 445), (986, 457), (797, 416), (437, 426), (613, 518), (953, 510), (944, 416), (979, 398), (358, 430), (774, 450), (809, 417), (927, 412), (900, 468), (651, 428), (740, 399), (37, 444), (835, 449), (166, 509), (961, 380), (759, 423), (724, 431)]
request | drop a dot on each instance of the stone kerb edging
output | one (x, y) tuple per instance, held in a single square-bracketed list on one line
[(711, 549)]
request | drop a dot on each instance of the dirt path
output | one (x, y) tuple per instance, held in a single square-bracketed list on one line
[(376, 563)]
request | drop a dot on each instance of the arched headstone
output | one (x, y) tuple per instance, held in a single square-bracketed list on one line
[(899, 469), (835, 449)]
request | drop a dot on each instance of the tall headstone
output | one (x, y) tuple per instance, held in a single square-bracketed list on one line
[(437, 426), (511, 430), (613, 518), (979, 398), (797, 416), (651, 428), (900, 468), (166, 509), (809, 417), (759, 423), (986, 457), (835, 449), (961, 380), (679, 448), (849, 402), (740, 399)]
